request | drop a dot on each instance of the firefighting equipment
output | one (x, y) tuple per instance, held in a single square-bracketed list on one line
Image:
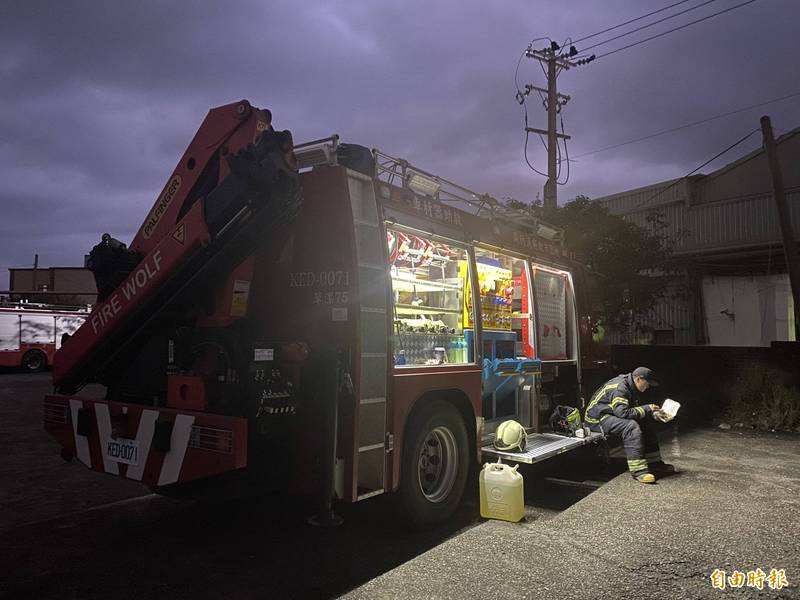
[(565, 420), (510, 436)]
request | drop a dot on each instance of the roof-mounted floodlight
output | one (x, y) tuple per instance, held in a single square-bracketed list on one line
[(423, 185), (310, 157)]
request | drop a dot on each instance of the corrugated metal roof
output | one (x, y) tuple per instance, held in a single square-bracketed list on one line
[(723, 225), (644, 198)]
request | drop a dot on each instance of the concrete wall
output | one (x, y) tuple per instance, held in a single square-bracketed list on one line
[(748, 311)]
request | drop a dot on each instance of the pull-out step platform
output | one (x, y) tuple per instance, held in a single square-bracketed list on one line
[(539, 447)]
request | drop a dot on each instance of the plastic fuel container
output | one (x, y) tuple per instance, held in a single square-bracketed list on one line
[(502, 495)]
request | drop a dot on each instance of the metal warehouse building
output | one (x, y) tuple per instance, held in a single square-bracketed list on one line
[(735, 291)]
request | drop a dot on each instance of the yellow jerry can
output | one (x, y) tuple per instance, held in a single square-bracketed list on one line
[(501, 491)]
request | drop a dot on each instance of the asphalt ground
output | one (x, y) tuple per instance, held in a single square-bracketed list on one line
[(68, 532), (734, 506)]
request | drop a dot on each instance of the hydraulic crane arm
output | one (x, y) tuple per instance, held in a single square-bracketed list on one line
[(237, 179)]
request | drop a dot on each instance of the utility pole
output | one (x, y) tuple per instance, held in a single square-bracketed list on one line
[(789, 243), (556, 62), (550, 187), (35, 269)]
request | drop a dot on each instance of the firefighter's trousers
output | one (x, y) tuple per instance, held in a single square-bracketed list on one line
[(638, 437)]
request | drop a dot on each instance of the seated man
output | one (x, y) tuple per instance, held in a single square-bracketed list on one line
[(615, 409)]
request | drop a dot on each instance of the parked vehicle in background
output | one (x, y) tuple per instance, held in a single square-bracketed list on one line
[(31, 333)]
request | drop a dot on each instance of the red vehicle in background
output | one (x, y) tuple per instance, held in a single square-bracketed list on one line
[(31, 333), (324, 307)]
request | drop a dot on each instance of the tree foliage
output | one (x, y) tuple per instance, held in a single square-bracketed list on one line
[(631, 264)]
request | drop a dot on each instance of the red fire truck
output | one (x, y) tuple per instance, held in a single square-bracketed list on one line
[(31, 333), (322, 306)]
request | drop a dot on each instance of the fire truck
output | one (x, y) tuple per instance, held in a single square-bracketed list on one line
[(30, 333), (322, 306)]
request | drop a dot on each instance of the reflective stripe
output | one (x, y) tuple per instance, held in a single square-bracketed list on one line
[(637, 464), (600, 393), (619, 400), (589, 419), (605, 416), (640, 410)]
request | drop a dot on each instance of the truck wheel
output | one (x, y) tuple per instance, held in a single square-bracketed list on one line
[(34, 361), (435, 464)]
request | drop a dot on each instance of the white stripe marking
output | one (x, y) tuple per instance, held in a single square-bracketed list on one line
[(144, 437), (104, 431), (81, 443), (173, 461)]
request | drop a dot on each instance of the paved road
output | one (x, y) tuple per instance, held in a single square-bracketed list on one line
[(67, 532), (734, 507)]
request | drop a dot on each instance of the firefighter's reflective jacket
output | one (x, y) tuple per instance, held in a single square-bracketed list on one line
[(618, 397)]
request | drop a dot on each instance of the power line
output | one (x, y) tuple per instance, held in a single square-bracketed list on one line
[(621, 35), (693, 171), (652, 135), (566, 152), (658, 35), (629, 22)]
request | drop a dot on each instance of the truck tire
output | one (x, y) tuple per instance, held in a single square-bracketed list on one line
[(34, 361), (435, 464)]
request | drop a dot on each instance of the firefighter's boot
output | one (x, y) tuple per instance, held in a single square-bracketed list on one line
[(661, 469), (644, 477)]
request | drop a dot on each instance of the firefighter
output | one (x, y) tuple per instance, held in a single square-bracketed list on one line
[(616, 409)]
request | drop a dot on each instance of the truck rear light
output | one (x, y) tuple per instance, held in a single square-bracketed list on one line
[(55, 411), (208, 438)]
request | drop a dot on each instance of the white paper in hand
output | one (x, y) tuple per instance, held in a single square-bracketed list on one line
[(668, 410)]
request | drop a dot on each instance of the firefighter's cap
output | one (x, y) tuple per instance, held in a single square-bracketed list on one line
[(646, 374)]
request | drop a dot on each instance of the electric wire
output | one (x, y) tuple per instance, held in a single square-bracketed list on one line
[(687, 125), (621, 35), (525, 150), (558, 160), (685, 25), (566, 151), (586, 37), (693, 171)]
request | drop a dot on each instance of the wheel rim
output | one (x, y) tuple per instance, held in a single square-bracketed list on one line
[(438, 464), (34, 361)]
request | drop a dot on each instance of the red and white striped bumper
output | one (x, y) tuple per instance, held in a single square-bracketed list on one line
[(171, 446)]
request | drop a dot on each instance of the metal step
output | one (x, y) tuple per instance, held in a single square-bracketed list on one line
[(539, 447)]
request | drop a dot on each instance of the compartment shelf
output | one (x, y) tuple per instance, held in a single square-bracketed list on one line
[(423, 285), (409, 309)]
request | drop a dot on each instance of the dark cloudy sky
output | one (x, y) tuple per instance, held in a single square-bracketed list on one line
[(100, 99)]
